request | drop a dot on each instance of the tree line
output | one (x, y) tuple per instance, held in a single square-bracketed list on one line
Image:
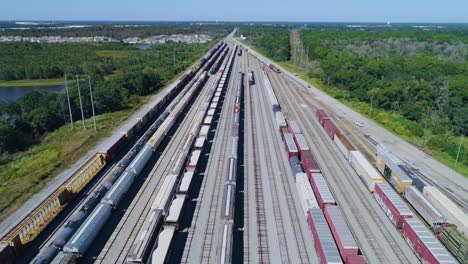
[(135, 73)]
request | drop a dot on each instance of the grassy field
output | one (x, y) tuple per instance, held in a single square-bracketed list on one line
[(28, 172), (31, 83), (390, 119)]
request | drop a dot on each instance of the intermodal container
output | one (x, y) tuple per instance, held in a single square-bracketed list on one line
[(290, 146), (364, 169), (359, 259), (305, 192), (330, 128), (193, 160), (294, 127), (200, 142), (322, 116), (186, 181), (424, 208), (423, 242), (321, 190), (343, 145), (323, 240), (309, 163), (280, 121), (204, 131), (344, 239), (301, 143), (392, 204), (448, 208)]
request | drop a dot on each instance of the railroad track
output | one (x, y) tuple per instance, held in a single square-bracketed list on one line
[(290, 239), (200, 242), (218, 167), (255, 236), (131, 223), (370, 242)]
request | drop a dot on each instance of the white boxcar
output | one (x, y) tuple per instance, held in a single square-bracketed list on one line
[(200, 142), (163, 243), (208, 120), (428, 212), (364, 169), (193, 160), (211, 112), (305, 192), (280, 121), (186, 182), (175, 209), (204, 130), (448, 208)]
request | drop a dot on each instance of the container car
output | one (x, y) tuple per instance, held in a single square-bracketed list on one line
[(322, 116), (392, 204), (309, 163), (343, 145), (175, 210), (200, 142), (280, 120), (204, 130), (364, 169), (294, 127), (301, 143), (191, 166), (323, 240), (162, 245), (295, 165), (165, 194), (321, 190), (305, 192), (358, 259), (186, 181), (448, 208), (423, 242), (330, 128), (290, 146), (424, 208), (347, 245)]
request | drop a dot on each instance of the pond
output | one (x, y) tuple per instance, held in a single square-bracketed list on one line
[(14, 93)]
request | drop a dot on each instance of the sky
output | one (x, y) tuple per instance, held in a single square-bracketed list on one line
[(436, 11)]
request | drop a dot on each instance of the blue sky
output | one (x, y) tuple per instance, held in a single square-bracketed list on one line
[(239, 10)]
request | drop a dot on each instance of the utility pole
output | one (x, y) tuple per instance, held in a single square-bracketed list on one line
[(92, 103), (69, 104), (307, 58), (81, 103), (459, 148), (174, 59)]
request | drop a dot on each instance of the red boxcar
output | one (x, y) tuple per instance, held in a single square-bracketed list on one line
[(392, 204), (330, 128), (309, 163), (290, 145), (423, 242), (321, 190), (321, 115), (110, 150), (359, 259), (345, 241), (323, 240)]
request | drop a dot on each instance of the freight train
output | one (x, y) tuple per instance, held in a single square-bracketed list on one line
[(197, 137), (387, 195), (393, 204), (26, 231)]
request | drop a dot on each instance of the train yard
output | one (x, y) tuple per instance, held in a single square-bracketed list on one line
[(235, 162)]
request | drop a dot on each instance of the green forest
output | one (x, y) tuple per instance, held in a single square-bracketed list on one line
[(121, 75), (412, 81)]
